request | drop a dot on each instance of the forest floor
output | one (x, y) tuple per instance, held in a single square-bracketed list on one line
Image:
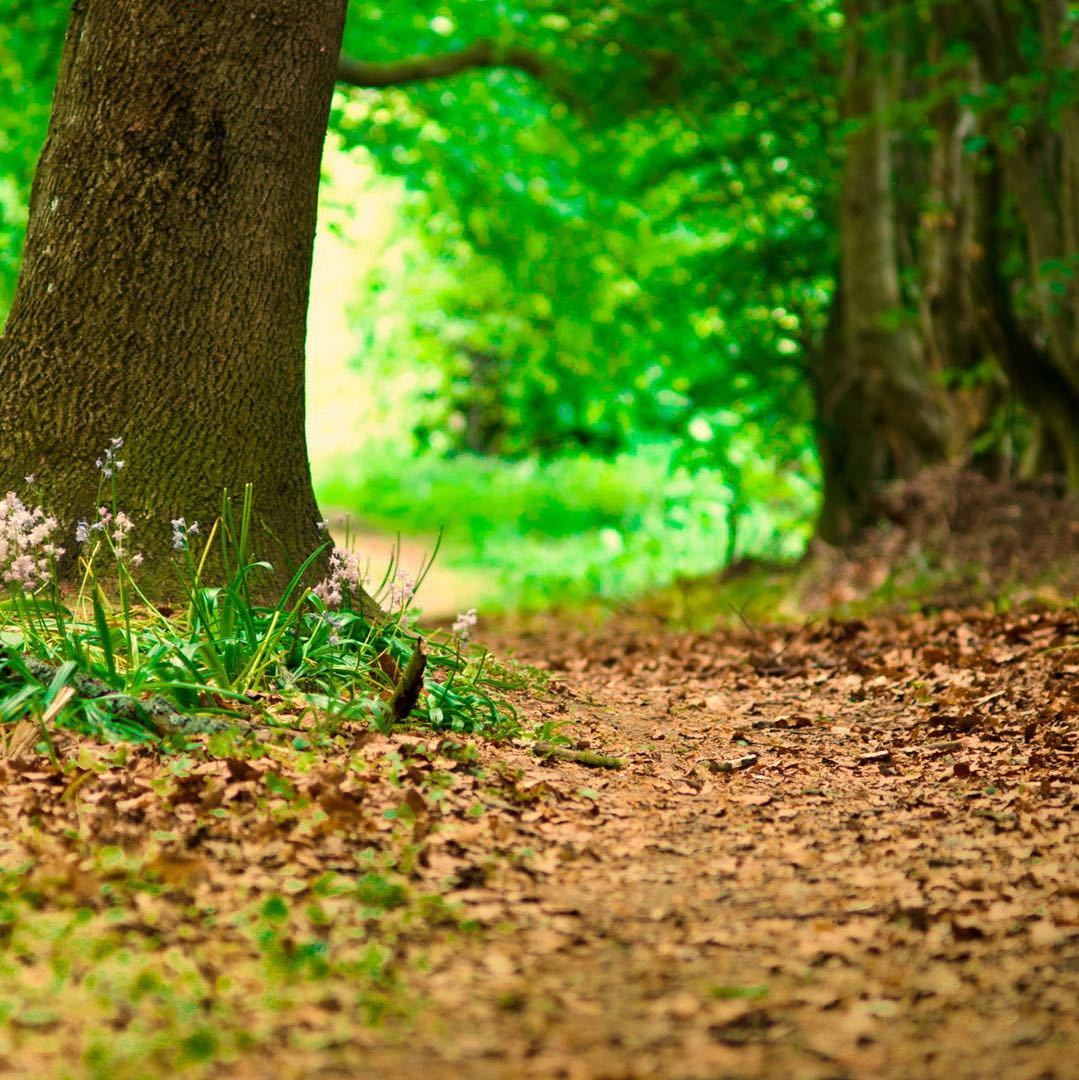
[(885, 883), (835, 848)]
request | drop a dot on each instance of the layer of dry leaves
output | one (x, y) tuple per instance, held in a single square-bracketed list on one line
[(884, 883)]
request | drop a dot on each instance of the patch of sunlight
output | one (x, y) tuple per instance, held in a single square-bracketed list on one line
[(358, 210)]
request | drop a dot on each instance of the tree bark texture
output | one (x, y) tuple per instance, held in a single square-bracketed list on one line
[(1048, 397), (948, 244), (880, 414), (962, 310), (1040, 157), (1039, 163), (165, 279)]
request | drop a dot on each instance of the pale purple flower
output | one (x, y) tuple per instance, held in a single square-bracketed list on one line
[(25, 545), (108, 463), (181, 531), (23, 571), (329, 592), (401, 590), (121, 527), (464, 624), (345, 579), (335, 623)]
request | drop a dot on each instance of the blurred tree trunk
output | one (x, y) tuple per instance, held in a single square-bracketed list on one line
[(483, 404), (1039, 156), (948, 245), (164, 287), (1029, 369), (963, 299), (880, 414)]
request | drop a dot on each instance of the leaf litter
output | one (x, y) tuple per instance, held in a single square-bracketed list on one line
[(843, 850)]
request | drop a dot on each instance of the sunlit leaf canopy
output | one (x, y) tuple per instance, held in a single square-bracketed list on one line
[(637, 239), (637, 242)]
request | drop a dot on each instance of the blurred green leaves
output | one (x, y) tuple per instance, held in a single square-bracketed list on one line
[(594, 276), (30, 38)]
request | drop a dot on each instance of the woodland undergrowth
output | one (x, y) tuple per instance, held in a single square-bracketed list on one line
[(102, 659)]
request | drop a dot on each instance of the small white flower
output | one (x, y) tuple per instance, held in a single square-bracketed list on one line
[(181, 531), (108, 464)]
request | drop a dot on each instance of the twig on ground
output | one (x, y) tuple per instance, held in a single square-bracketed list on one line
[(732, 764), (745, 622), (944, 745), (875, 756), (579, 757)]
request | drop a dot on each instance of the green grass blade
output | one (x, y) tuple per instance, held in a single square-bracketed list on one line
[(63, 676), (105, 635)]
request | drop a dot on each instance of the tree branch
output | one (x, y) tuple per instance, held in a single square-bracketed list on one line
[(483, 53)]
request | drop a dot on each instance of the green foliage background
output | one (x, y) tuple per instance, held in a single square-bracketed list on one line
[(585, 319), (636, 275)]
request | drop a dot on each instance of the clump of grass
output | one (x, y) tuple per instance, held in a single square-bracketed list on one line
[(107, 662)]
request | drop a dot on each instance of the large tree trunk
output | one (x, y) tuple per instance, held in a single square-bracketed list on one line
[(880, 416), (164, 287), (484, 405), (959, 243)]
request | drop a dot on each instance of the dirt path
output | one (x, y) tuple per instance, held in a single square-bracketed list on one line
[(892, 889), (446, 590), (886, 883)]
